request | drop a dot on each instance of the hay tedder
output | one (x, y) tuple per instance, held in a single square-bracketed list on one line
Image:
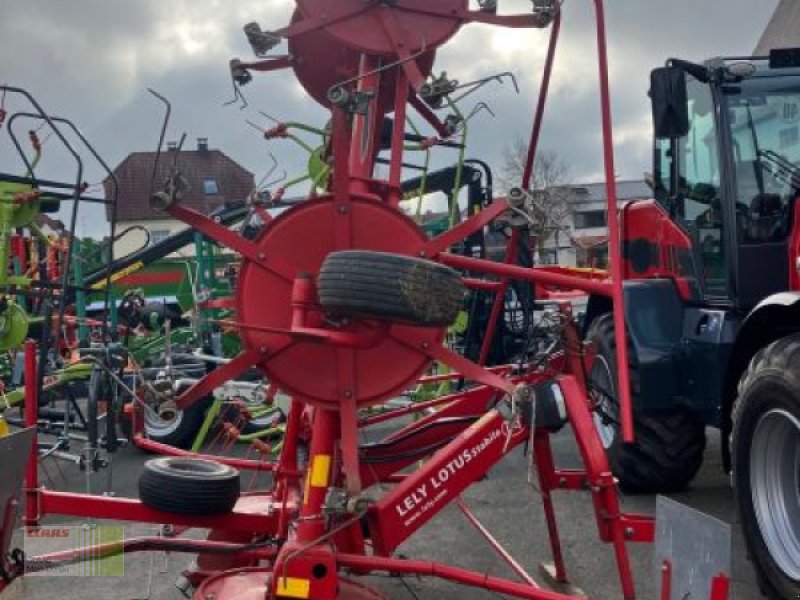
[(343, 302)]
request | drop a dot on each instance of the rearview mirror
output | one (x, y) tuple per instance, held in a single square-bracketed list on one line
[(670, 105)]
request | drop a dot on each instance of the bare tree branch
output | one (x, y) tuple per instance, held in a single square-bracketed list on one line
[(550, 194)]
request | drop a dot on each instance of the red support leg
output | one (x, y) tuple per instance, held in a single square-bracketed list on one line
[(601, 481), (302, 559), (720, 587), (543, 455), (666, 580)]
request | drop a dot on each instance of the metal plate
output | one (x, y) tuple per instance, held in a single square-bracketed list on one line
[(14, 452), (697, 545)]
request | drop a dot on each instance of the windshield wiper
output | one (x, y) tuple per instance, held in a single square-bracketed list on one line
[(756, 166), (781, 167)]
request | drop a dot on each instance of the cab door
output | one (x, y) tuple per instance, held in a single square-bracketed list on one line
[(762, 116), (689, 167)]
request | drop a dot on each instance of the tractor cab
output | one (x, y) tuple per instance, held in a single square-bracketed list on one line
[(711, 263), (727, 172)]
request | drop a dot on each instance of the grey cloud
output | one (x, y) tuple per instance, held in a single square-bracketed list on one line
[(92, 60)]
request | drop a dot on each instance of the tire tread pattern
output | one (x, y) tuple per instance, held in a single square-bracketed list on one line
[(390, 286), (188, 494), (669, 447)]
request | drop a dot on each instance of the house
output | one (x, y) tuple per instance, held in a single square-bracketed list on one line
[(214, 180), (582, 239), (783, 29)]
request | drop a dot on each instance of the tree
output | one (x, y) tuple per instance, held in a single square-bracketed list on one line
[(94, 254), (550, 195)]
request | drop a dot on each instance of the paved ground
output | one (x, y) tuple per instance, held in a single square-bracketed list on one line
[(506, 504)]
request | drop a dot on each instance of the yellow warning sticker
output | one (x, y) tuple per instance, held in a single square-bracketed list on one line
[(320, 470), (293, 587)]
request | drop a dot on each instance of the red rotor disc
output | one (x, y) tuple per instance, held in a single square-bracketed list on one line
[(320, 62), (410, 25), (303, 236)]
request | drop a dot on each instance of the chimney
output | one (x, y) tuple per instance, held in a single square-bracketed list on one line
[(172, 145), (202, 144)]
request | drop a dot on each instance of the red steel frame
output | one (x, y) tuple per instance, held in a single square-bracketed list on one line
[(461, 441)]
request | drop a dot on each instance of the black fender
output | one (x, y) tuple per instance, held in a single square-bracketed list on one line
[(654, 317)]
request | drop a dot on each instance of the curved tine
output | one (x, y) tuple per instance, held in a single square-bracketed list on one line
[(274, 166), (381, 69), (478, 108), (178, 150), (280, 179), (475, 110), (269, 173), (164, 124), (270, 117), (238, 96), (499, 77), (474, 86), (254, 126)]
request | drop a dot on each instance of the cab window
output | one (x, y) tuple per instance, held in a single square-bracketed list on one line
[(698, 205)]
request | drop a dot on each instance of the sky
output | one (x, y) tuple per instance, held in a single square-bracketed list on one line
[(93, 60)]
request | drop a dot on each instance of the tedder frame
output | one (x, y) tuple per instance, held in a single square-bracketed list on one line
[(319, 516)]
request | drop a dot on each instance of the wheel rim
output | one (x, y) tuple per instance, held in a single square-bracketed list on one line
[(162, 423), (775, 487), (601, 376)]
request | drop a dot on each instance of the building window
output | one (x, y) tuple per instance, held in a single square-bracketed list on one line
[(210, 186), (789, 137), (590, 219), (547, 256), (158, 235)]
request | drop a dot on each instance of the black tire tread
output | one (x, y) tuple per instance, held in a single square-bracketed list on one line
[(188, 495), (669, 447), (390, 286), (779, 360)]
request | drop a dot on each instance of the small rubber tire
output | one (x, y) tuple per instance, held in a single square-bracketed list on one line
[(669, 446), (182, 433), (188, 486), (390, 287), (766, 431)]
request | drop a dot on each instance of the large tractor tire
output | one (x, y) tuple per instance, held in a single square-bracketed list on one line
[(390, 287), (669, 446), (188, 486), (765, 446)]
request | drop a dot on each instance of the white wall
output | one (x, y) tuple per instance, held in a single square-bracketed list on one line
[(135, 239)]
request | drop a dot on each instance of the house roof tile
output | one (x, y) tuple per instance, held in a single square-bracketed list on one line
[(234, 182)]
